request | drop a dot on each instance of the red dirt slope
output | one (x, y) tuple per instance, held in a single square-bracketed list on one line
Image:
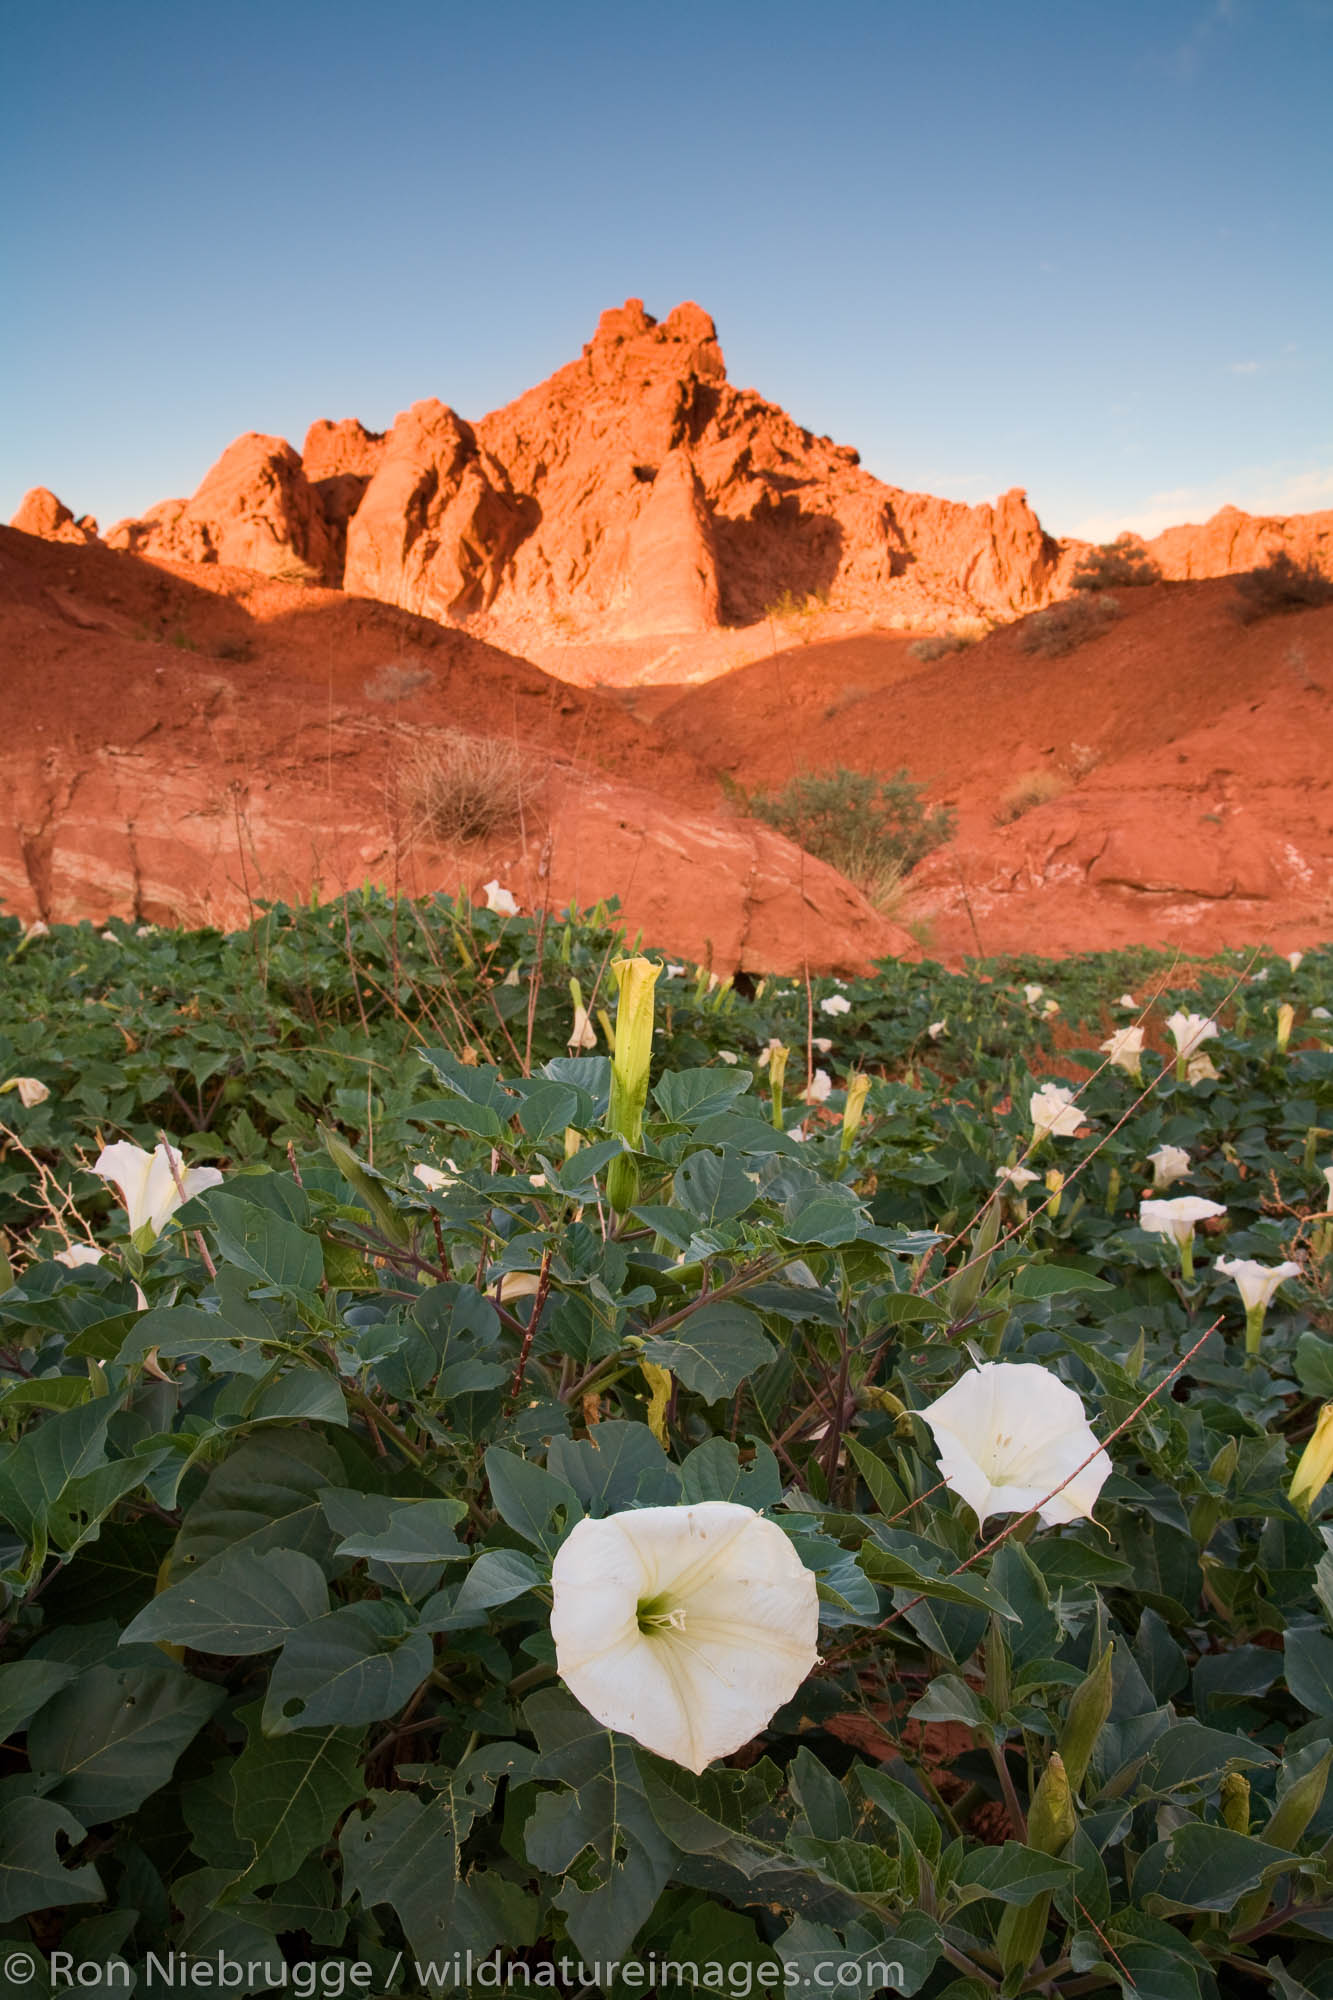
[(182, 740), (1186, 762)]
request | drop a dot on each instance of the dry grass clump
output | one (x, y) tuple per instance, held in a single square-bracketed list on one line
[(1034, 788), (1123, 564), (461, 788), (1282, 584), (1062, 628), (938, 645)]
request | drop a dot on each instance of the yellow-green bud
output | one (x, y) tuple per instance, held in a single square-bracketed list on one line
[(965, 1289), (777, 1072), (631, 1063), (1286, 1021), (1085, 1718), (1286, 1827), (1235, 1801), (858, 1089), (1051, 1827), (1315, 1466)]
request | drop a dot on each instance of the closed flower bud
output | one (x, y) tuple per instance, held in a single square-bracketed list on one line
[(1085, 1718), (1235, 1801)]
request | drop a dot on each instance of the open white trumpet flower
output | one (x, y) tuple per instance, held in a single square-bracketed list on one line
[(77, 1254), (1008, 1434), (502, 901), (1176, 1218), (148, 1182), (1169, 1164), (1054, 1113), (1125, 1047), (1256, 1284), (686, 1628), (835, 1003), (1190, 1031)]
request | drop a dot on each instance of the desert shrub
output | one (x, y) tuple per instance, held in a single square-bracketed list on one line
[(1281, 584), (462, 788), (1034, 788), (1062, 628), (398, 679), (242, 648), (938, 645), (1123, 564), (872, 829)]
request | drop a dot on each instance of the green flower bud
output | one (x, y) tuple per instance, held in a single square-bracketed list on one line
[(1235, 1800), (1085, 1718)]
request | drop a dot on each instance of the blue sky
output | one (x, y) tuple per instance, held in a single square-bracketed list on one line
[(1078, 248)]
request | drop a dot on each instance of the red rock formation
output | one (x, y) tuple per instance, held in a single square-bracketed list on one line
[(340, 460), (255, 510), (636, 493), (1232, 541), (40, 513)]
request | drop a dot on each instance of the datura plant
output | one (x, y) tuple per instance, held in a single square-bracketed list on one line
[(537, 1498)]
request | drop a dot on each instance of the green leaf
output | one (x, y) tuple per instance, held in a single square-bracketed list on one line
[(32, 1874), (714, 1351), (848, 1864), (45, 1460), (1204, 1867), (603, 1817), (904, 1562), (267, 1245), (1309, 1668), (404, 1853), (265, 1495), (618, 1465), (827, 1214), (111, 1738), (290, 1791), (26, 1686), (416, 1531), (687, 1096), (239, 1604), (498, 1576), (714, 1187), (357, 1664), (1190, 1754), (531, 1500), (713, 1471), (1047, 1281), (1314, 1366), (1012, 1873), (232, 1343)]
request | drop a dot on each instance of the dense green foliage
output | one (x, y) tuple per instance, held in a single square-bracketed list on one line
[(280, 1491)]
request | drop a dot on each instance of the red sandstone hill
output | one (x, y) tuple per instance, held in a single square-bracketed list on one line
[(181, 741), (635, 494)]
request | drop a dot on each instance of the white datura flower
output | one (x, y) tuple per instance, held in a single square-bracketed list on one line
[(835, 1003), (1176, 1218), (937, 1030), (502, 901), (1190, 1031), (1008, 1435), (820, 1087), (674, 971), (148, 1182), (77, 1254), (1017, 1177), (31, 1090), (1295, 959), (1032, 994), (1053, 1113), (686, 1628), (1328, 1179), (1255, 1282), (432, 1178), (1126, 1000), (728, 1056), (1169, 1164), (1125, 1048), (1201, 1069), (822, 1045)]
